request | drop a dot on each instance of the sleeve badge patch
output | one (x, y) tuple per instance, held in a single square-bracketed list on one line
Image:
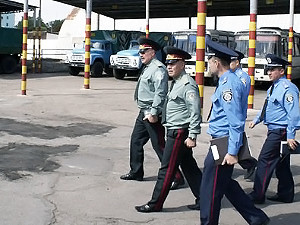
[(289, 98), (227, 96)]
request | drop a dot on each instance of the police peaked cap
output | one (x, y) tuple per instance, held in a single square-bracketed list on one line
[(174, 54), (275, 61), (218, 50), (239, 57), (148, 43)]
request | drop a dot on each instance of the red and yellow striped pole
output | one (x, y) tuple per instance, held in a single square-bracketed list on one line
[(147, 18), (200, 48), (251, 57), (33, 47), (291, 40), (87, 45), (24, 48)]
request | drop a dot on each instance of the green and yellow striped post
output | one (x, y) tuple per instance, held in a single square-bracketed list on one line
[(291, 40), (251, 57), (24, 48), (200, 48), (87, 67)]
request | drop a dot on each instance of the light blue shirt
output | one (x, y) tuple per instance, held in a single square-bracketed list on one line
[(282, 108), (227, 118)]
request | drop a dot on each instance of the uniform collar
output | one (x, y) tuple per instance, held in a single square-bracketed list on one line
[(180, 76)]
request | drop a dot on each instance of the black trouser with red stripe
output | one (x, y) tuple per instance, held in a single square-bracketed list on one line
[(142, 132), (176, 153), (217, 182), (269, 160)]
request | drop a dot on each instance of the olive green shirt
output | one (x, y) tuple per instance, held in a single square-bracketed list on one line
[(152, 87), (183, 109)]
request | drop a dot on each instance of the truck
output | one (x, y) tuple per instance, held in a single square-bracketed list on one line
[(128, 62), (272, 40), (186, 40), (10, 49), (104, 43)]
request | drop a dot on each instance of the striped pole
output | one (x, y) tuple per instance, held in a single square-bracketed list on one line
[(34, 33), (291, 40), (40, 39), (251, 57), (200, 48), (24, 48), (87, 45), (147, 18)]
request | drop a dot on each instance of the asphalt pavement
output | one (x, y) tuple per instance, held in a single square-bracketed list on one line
[(63, 149)]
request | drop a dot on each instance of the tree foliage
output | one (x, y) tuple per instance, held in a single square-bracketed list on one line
[(51, 27)]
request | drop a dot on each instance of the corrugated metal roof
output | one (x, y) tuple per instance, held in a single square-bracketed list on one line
[(135, 9)]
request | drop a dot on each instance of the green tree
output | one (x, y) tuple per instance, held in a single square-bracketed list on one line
[(30, 24), (54, 26)]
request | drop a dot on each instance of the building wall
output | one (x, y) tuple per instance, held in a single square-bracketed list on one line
[(7, 20)]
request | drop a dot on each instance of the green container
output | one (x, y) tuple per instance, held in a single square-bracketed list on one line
[(10, 41)]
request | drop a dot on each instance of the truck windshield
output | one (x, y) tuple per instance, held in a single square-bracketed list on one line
[(264, 45), (134, 45)]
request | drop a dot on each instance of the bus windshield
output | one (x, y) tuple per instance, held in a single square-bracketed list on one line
[(187, 43), (264, 45)]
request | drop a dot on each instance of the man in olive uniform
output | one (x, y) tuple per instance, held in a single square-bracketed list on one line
[(150, 95), (182, 118)]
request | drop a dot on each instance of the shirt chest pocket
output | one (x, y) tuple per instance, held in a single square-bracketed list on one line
[(274, 102), (174, 97)]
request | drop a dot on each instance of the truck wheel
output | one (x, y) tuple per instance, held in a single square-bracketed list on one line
[(9, 64), (119, 74), (97, 69), (74, 70)]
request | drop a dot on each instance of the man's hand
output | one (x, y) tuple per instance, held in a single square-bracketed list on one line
[(151, 118), (292, 143), (230, 159), (190, 143), (251, 125)]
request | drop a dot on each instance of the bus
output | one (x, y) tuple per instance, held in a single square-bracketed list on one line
[(268, 40), (186, 40)]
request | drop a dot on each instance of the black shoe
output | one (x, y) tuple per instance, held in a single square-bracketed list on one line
[(146, 209), (276, 198), (131, 176), (176, 184), (249, 173), (194, 207), (255, 200), (267, 221)]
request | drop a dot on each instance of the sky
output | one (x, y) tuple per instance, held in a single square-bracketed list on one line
[(52, 10)]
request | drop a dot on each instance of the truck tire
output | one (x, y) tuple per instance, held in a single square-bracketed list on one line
[(74, 70), (97, 69), (119, 74), (9, 64)]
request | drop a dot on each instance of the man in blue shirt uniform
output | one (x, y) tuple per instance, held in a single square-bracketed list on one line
[(226, 120), (150, 95), (182, 118), (281, 115), (235, 66)]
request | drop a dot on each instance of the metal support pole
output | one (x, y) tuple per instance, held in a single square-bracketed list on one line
[(251, 57), (216, 22), (87, 44), (147, 18), (34, 35), (291, 40), (98, 21), (200, 48), (40, 39), (24, 48)]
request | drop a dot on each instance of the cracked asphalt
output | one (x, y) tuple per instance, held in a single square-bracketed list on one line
[(63, 149)]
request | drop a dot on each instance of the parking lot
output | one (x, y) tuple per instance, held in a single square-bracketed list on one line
[(63, 149)]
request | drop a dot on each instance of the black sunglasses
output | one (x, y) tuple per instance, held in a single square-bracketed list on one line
[(143, 51)]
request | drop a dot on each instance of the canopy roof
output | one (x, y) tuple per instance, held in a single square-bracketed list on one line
[(7, 6), (135, 9)]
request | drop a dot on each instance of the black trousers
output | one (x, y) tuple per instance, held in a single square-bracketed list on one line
[(176, 153), (142, 132), (269, 160), (217, 182)]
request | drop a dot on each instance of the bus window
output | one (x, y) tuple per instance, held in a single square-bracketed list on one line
[(182, 42), (192, 44)]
